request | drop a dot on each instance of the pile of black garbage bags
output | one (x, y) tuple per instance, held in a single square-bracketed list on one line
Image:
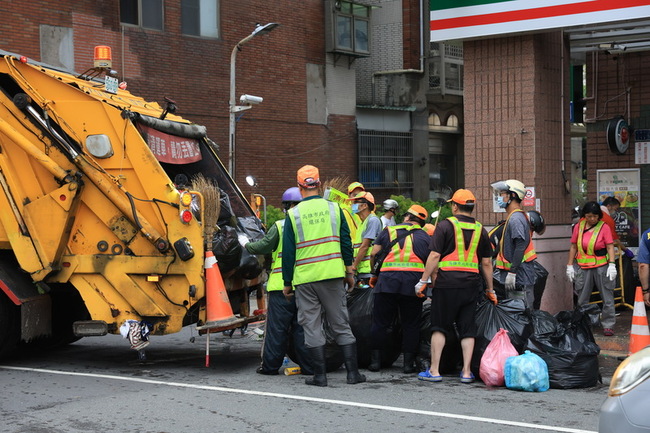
[(564, 341)]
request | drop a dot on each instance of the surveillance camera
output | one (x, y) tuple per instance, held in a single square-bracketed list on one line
[(250, 99)]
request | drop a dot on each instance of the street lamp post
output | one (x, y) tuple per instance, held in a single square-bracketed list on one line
[(234, 108)]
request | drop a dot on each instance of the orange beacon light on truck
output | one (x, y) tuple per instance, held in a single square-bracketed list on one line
[(103, 56)]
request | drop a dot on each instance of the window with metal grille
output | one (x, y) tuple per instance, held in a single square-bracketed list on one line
[(446, 68), (385, 159)]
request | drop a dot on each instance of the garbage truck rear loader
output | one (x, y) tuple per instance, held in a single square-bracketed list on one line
[(94, 232)]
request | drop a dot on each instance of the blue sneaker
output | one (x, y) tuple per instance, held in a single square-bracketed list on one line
[(426, 375)]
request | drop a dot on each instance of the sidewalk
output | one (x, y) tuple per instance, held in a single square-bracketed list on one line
[(620, 341), (614, 349)]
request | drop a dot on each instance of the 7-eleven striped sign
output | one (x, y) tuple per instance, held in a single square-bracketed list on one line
[(459, 19)]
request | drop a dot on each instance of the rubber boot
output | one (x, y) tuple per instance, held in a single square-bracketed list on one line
[(351, 365), (319, 365), (409, 363), (375, 360)]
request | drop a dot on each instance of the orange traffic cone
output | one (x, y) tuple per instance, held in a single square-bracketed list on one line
[(640, 333), (217, 305)]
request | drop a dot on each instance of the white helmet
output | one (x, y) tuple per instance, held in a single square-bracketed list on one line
[(511, 186), (390, 204)]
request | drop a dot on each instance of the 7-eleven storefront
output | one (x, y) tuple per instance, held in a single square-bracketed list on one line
[(529, 68)]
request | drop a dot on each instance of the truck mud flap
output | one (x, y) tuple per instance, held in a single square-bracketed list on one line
[(36, 318)]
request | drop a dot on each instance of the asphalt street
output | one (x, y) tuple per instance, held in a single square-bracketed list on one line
[(99, 385)]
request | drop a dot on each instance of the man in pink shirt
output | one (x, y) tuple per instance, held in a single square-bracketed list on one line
[(592, 246)]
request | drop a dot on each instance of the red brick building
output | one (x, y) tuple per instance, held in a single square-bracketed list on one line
[(158, 53)]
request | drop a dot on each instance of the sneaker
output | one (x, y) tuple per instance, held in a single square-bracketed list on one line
[(426, 375), (607, 332), (260, 370)]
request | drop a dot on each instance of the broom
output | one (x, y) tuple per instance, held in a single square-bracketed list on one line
[(211, 205), (339, 183)]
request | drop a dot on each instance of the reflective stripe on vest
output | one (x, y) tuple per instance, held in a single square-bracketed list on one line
[(461, 259), (588, 259), (316, 225), (402, 259), (275, 278), (364, 265), (529, 253)]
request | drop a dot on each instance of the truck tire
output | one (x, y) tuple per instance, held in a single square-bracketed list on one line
[(9, 326)]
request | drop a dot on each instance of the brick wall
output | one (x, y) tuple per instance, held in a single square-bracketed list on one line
[(412, 33), (513, 120), (513, 129), (618, 88), (273, 138)]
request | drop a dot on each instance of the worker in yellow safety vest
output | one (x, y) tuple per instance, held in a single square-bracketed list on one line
[(317, 264)]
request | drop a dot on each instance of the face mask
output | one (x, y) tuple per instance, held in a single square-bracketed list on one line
[(502, 204), (355, 207)]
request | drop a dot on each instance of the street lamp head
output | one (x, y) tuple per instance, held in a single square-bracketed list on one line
[(251, 181), (264, 29)]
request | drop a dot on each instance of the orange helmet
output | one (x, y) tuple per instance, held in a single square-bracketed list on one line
[(418, 211), (355, 185)]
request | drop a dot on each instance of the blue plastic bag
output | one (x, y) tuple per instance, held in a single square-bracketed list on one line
[(527, 372)]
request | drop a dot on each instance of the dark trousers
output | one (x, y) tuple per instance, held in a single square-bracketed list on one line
[(384, 311), (282, 324)]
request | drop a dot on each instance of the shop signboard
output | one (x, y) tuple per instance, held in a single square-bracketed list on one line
[(642, 146), (625, 185), (460, 19)]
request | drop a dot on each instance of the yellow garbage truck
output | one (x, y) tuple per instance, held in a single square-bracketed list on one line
[(102, 222)]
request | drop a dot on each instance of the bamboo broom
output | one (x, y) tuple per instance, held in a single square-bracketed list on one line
[(211, 205), (339, 183)]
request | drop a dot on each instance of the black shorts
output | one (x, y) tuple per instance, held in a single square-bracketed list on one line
[(454, 305)]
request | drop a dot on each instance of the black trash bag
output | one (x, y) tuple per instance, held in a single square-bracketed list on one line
[(592, 311), (252, 227), (541, 274), (333, 355), (249, 266), (509, 314), (360, 305), (226, 249), (570, 352), (451, 359), (499, 289), (225, 213), (544, 323)]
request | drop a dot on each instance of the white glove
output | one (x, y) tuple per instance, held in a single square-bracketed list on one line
[(421, 287), (570, 273), (243, 240), (510, 281), (611, 272)]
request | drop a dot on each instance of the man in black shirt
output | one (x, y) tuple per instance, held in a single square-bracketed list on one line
[(454, 268)]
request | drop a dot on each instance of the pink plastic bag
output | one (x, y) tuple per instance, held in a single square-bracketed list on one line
[(494, 358)]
